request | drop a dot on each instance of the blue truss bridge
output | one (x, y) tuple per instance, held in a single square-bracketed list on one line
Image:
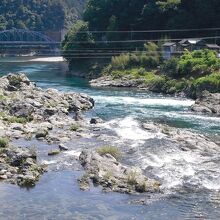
[(21, 42)]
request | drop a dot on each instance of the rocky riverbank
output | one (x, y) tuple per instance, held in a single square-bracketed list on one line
[(28, 112), (125, 81), (206, 102)]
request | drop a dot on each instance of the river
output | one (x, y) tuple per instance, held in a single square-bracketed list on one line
[(191, 180)]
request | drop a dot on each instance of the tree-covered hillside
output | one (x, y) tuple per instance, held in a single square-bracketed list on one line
[(39, 14), (121, 38), (152, 14), (124, 24)]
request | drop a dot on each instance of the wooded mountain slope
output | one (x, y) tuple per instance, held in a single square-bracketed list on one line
[(39, 14)]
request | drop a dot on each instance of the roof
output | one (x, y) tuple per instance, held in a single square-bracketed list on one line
[(168, 44), (214, 46), (190, 41)]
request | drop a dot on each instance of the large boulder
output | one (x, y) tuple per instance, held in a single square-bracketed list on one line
[(106, 171), (207, 103)]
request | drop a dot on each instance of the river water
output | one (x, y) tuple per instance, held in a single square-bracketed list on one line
[(191, 179)]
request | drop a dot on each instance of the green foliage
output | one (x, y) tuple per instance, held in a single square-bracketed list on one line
[(75, 127), (39, 14), (210, 83), (171, 66), (4, 142), (78, 33), (132, 177), (2, 97), (199, 62), (114, 151), (12, 119), (121, 62), (148, 58), (152, 14)]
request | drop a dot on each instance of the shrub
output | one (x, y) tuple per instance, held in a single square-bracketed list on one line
[(13, 119), (114, 151), (199, 62), (2, 97), (132, 177), (155, 82), (148, 58), (4, 142), (121, 62), (170, 67), (75, 127), (210, 83)]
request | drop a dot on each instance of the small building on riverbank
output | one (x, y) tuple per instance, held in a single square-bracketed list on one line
[(171, 49)]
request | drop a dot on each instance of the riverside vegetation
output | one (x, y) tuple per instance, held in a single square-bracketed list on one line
[(191, 74), (141, 65)]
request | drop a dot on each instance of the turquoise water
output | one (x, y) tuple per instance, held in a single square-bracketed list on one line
[(191, 179), (116, 103)]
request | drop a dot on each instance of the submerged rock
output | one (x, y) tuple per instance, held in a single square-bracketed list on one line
[(208, 103), (113, 176), (53, 152)]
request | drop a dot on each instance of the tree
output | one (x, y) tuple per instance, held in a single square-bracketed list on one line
[(76, 40)]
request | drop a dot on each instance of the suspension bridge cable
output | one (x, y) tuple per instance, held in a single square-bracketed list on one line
[(140, 41), (154, 31)]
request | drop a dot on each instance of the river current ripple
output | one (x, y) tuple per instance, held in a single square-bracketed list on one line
[(191, 179)]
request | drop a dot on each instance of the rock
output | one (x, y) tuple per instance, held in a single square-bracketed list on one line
[(28, 112), (53, 152), (62, 147), (208, 103), (96, 120), (17, 127), (84, 184), (19, 166), (41, 133), (108, 81), (3, 177), (201, 109), (113, 176), (26, 98), (26, 180), (50, 111), (78, 116)]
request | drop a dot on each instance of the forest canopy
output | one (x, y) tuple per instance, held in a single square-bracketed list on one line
[(39, 14), (152, 14)]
